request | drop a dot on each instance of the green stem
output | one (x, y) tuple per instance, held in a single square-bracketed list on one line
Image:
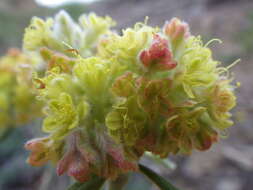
[(162, 183)]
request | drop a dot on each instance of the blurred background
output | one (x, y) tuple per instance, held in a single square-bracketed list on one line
[(228, 165)]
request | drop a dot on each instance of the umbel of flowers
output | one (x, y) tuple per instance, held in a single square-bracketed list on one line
[(110, 97), (18, 104)]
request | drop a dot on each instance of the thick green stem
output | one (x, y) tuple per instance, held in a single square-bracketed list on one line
[(162, 183)]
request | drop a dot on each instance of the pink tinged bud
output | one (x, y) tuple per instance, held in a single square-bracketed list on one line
[(35, 144), (75, 164), (207, 139), (118, 157), (76, 161), (39, 151), (176, 29), (158, 56)]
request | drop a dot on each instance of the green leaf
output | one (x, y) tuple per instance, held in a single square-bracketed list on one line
[(162, 183), (94, 183)]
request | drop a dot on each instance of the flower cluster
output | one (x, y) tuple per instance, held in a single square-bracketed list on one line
[(110, 97), (18, 104)]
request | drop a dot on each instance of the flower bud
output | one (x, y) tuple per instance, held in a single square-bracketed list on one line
[(158, 56), (40, 151), (176, 30), (76, 161)]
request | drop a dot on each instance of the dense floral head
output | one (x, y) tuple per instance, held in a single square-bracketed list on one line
[(144, 90), (18, 104)]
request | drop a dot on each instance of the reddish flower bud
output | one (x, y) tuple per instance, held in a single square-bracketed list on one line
[(205, 139), (40, 151), (118, 155), (176, 29), (158, 56), (75, 161), (75, 164)]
